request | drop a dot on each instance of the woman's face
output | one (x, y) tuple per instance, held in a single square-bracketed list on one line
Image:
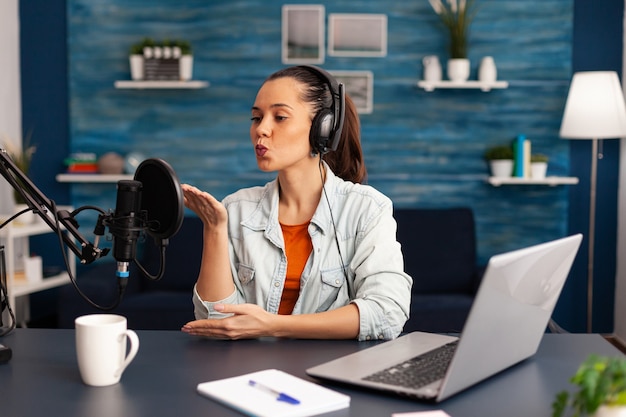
[(280, 125)]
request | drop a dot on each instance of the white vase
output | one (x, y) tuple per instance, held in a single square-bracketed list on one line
[(432, 68), (136, 67), (458, 69), (538, 170), (501, 168), (613, 411), (487, 71), (185, 67)]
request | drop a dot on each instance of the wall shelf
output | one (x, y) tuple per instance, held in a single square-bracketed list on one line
[(91, 178), (483, 86), (141, 85), (551, 181)]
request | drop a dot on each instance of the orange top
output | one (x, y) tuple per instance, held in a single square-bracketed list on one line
[(298, 247)]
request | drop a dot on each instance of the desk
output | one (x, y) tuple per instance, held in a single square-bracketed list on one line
[(42, 378)]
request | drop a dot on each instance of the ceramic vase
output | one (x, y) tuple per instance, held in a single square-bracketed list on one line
[(487, 71), (538, 170), (458, 69), (501, 168), (186, 67), (432, 68), (136, 67)]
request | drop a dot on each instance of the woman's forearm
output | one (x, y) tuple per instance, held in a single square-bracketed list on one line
[(215, 281), (341, 323)]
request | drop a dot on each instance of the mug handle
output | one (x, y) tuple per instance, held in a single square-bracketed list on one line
[(134, 347)]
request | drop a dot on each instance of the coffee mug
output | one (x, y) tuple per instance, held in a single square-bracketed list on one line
[(101, 348)]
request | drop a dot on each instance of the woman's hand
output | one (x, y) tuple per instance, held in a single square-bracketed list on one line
[(209, 210), (248, 321)]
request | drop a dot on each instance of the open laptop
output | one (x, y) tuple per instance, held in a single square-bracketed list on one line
[(508, 318)]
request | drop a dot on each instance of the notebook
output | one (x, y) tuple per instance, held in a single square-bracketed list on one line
[(274, 393), (506, 323)]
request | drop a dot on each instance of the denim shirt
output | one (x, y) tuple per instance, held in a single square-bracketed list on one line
[(370, 254)]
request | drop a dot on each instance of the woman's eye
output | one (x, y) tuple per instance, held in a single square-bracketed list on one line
[(255, 119), (281, 118)]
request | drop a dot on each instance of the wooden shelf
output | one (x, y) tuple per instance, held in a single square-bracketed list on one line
[(141, 85), (551, 181), (92, 178), (483, 86)]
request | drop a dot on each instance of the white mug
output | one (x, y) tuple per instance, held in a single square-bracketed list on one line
[(101, 348)]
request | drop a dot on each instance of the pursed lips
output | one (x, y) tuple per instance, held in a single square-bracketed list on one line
[(260, 150)]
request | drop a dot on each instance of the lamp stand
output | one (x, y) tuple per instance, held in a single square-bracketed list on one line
[(592, 227)]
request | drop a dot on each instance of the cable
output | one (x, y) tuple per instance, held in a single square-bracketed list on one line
[(332, 219)]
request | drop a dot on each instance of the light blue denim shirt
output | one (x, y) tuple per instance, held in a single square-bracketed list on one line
[(366, 232)]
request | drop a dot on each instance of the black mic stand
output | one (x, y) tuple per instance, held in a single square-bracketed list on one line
[(60, 220)]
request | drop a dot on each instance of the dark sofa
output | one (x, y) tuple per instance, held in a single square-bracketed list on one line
[(439, 247)]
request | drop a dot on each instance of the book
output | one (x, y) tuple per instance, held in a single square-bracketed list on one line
[(274, 393)]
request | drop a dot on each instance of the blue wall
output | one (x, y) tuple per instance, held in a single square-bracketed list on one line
[(422, 149)]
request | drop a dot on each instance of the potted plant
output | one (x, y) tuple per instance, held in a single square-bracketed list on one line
[(538, 165), (456, 16), (186, 60), (22, 158), (500, 159), (136, 61), (601, 383)]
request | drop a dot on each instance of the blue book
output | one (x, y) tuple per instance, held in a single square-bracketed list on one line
[(518, 154)]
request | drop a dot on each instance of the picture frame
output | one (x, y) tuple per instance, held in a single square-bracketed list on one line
[(359, 85), (303, 30), (357, 35)]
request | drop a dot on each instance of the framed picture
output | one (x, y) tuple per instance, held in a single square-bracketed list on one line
[(303, 34), (359, 86), (363, 35)]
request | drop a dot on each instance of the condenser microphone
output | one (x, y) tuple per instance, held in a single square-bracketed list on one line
[(126, 224)]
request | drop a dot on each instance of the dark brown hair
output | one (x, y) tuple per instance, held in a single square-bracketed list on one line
[(347, 161)]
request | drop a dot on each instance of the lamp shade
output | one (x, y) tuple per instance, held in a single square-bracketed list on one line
[(595, 107)]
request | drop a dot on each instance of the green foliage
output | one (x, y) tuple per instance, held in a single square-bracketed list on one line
[(499, 152), (600, 381), (456, 17), (538, 157)]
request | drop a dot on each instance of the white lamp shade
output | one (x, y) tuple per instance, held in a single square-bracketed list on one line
[(595, 107)]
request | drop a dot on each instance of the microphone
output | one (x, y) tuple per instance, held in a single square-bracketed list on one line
[(126, 224)]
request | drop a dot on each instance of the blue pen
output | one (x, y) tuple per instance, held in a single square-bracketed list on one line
[(280, 396)]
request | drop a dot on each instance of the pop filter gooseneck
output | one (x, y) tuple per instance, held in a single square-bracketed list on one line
[(162, 203)]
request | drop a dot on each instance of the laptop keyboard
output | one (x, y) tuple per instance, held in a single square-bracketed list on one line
[(418, 371)]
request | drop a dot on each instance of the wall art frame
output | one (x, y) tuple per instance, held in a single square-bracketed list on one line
[(303, 30), (359, 86), (357, 35)]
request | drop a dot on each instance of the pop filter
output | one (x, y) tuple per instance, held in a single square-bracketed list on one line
[(161, 199)]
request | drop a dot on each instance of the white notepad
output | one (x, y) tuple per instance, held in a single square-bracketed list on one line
[(261, 400)]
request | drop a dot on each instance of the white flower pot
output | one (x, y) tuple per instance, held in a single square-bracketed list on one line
[(186, 67), (458, 69), (538, 170), (487, 71), (613, 411), (136, 67), (501, 167)]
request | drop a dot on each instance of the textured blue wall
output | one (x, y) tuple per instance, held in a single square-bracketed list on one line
[(422, 149)]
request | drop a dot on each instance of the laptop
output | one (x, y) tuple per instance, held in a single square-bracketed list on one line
[(506, 323)]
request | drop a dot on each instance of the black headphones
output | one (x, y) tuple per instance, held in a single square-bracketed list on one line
[(328, 122)]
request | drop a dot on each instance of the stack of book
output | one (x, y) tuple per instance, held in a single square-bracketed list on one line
[(82, 163)]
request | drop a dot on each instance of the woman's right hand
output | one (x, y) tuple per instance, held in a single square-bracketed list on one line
[(212, 212)]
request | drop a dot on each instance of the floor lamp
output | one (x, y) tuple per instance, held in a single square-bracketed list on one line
[(594, 110)]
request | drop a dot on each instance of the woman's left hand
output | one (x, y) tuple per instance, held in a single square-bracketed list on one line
[(248, 321)]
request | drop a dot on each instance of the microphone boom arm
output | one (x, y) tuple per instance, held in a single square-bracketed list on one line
[(87, 252)]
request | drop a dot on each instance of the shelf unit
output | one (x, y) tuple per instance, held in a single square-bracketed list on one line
[(551, 181), (10, 235), (91, 178), (483, 86), (142, 85)]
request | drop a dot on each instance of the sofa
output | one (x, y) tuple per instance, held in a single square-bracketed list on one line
[(439, 247)]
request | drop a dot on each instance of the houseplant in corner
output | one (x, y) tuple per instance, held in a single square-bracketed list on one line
[(601, 383), (500, 159), (456, 16)]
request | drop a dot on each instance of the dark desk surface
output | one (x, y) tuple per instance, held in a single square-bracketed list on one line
[(42, 379)]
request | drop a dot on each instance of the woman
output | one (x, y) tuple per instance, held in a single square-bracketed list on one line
[(312, 254)]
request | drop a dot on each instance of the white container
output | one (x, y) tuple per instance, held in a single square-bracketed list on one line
[(487, 71), (185, 67), (432, 68), (538, 170), (33, 269), (136, 67), (458, 69), (501, 168)]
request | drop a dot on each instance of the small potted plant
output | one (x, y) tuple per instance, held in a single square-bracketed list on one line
[(538, 165), (22, 158), (601, 383), (186, 60), (136, 61), (500, 159)]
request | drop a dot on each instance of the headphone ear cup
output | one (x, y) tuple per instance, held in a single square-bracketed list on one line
[(321, 129)]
